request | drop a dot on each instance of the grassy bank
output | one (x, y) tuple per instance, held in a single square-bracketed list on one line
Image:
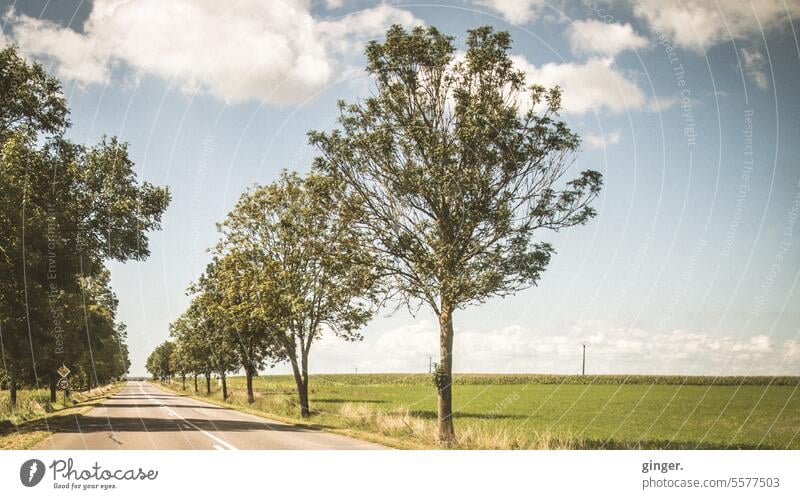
[(35, 417), (536, 411)]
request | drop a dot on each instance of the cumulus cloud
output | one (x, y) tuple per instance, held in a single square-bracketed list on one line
[(591, 36), (611, 349), (514, 11), (702, 23), (601, 141), (791, 349), (754, 65), (595, 85), (347, 34), (274, 52)]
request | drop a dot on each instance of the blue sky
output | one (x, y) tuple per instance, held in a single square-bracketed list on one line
[(691, 266)]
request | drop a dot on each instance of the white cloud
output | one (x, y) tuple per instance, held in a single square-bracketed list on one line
[(514, 11), (78, 58), (791, 350), (275, 52), (700, 24), (755, 344), (594, 85), (659, 104), (754, 65), (347, 34), (596, 37), (611, 349), (598, 141)]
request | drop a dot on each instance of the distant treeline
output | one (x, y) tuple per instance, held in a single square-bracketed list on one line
[(545, 379)]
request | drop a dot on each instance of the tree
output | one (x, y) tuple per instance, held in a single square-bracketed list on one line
[(203, 343), (454, 175), (65, 209), (30, 99), (158, 362), (192, 347), (228, 303), (307, 271)]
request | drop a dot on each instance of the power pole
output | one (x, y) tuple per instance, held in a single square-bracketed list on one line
[(430, 364), (583, 365)]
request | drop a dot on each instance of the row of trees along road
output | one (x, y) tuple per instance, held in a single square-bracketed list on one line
[(430, 192), (65, 210)]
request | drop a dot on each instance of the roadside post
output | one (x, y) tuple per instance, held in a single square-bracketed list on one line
[(63, 383)]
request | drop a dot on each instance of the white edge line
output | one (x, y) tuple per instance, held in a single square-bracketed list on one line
[(204, 432)]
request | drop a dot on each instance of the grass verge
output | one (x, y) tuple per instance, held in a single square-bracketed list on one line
[(36, 418)]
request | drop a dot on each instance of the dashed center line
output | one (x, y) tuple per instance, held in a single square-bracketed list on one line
[(215, 438)]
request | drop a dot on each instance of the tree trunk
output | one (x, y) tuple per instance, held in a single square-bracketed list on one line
[(224, 386), (444, 375), (208, 383), (305, 409), (52, 389), (12, 393), (248, 371), (183, 381), (301, 380), (195, 383)]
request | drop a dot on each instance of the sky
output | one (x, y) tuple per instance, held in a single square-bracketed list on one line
[(689, 109)]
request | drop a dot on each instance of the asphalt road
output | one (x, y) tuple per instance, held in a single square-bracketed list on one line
[(143, 416)]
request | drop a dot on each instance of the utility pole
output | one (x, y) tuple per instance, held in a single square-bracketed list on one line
[(430, 364), (583, 366)]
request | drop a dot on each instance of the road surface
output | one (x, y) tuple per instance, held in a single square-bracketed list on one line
[(143, 416)]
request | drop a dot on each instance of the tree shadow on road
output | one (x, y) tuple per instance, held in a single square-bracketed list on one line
[(92, 424), (141, 406)]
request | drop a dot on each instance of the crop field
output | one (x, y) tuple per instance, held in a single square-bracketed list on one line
[(541, 411)]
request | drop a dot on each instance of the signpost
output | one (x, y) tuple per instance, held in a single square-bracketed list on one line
[(63, 383)]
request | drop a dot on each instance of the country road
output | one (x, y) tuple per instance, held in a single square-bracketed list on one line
[(143, 416)]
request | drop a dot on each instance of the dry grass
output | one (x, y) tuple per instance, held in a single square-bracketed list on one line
[(404, 425), (35, 417)]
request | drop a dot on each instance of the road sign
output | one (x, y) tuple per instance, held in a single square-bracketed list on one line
[(63, 371), (63, 384)]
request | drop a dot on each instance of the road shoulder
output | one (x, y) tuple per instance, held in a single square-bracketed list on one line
[(33, 433), (388, 442)]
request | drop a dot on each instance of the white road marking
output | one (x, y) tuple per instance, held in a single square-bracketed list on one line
[(204, 432)]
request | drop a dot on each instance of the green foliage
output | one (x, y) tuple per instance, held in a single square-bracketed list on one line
[(159, 363), (451, 178), (65, 209), (289, 267), (31, 99), (203, 342)]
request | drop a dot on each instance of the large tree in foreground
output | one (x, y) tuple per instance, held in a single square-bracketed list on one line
[(456, 164)]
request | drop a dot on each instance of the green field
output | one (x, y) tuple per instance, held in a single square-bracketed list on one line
[(536, 411)]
